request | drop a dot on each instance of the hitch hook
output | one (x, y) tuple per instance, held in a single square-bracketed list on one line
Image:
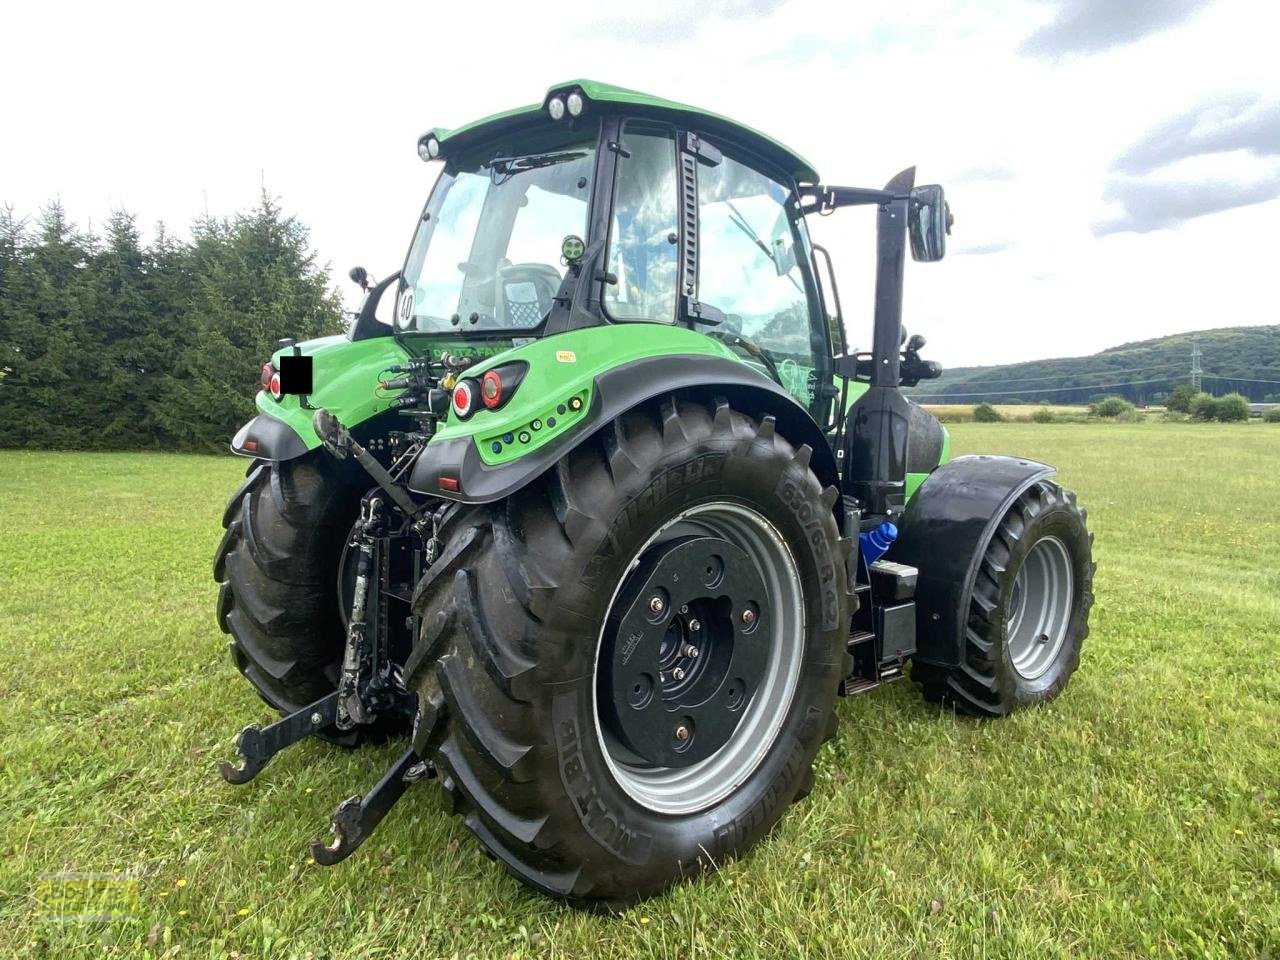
[(356, 817), (256, 745)]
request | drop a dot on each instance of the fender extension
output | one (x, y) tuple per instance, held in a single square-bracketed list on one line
[(267, 438), (944, 532)]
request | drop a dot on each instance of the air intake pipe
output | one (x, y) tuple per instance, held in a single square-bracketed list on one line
[(875, 436)]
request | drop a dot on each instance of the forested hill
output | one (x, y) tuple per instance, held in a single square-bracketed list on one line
[(1244, 359)]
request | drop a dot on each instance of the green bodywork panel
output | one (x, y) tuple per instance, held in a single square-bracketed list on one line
[(556, 392), (597, 92), (345, 376)]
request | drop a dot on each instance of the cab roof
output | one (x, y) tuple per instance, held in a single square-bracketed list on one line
[(641, 104)]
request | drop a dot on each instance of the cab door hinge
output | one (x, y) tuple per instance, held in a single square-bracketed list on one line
[(705, 152)]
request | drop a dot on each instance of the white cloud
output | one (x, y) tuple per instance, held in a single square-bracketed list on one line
[(167, 108), (1091, 26)]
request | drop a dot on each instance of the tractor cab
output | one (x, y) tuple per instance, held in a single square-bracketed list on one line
[(676, 217)]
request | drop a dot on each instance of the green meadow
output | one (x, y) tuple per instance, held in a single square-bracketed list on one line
[(1138, 815)]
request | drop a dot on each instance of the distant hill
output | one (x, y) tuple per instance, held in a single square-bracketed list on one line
[(1244, 359)]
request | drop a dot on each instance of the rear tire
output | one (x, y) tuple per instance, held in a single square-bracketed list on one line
[(1028, 610), (277, 570), (513, 618)]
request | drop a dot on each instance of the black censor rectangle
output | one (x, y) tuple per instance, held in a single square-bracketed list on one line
[(295, 374)]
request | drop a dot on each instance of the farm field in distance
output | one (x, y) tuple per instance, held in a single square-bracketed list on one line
[(1136, 815), (1015, 412)]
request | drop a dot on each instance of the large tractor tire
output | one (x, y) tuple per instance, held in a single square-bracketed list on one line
[(1028, 611), (277, 569), (626, 669)]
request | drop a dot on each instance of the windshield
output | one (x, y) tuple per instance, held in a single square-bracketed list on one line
[(487, 253)]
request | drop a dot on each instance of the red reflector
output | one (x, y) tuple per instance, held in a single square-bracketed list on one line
[(274, 386), (449, 483), (251, 445)]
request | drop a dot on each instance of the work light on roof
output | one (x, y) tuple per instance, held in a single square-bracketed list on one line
[(555, 107), (575, 104), (428, 148)]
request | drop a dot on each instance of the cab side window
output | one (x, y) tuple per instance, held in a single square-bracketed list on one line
[(749, 254), (643, 252)]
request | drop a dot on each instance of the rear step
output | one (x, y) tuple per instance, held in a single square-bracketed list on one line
[(862, 648)]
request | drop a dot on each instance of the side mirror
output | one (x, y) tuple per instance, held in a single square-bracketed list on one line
[(928, 222), (360, 276)]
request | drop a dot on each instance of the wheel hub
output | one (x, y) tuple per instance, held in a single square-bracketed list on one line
[(1040, 604), (683, 654)]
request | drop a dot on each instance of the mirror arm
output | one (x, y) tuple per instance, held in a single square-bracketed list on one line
[(827, 198), (366, 325)]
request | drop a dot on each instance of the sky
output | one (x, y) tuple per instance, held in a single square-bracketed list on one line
[(1113, 165)]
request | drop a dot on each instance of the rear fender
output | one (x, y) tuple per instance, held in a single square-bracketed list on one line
[(608, 395), (944, 533)]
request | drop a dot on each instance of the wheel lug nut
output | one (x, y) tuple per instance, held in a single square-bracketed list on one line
[(682, 733), (690, 651), (677, 674), (656, 604), (748, 617), (695, 625), (684, 608)]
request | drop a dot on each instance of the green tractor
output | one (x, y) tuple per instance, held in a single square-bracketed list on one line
[(608, 515)]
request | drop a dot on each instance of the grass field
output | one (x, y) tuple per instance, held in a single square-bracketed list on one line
[(1137, 815), (1010, 411)]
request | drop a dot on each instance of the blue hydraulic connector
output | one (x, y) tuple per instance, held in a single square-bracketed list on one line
[(876, 542)]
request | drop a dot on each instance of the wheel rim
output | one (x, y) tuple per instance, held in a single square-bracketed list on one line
[(1040, 608), (687, 789)]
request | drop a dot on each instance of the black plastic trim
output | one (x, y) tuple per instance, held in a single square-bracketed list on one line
[(275, 439), (366, 325), (617, 391), (944, 532)]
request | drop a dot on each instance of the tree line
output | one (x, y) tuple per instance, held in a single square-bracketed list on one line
[(107, 342)]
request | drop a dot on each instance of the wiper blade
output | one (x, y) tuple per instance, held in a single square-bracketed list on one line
[(502, 169), (739, 221)]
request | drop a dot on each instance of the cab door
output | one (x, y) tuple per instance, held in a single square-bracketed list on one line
[(754, 266)]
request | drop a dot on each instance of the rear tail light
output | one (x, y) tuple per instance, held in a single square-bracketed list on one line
[(274, 386), (464, 398), (494, 388), (491, 389)]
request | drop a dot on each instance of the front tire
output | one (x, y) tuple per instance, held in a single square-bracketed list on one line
[(509, 665), (1028, 611)]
